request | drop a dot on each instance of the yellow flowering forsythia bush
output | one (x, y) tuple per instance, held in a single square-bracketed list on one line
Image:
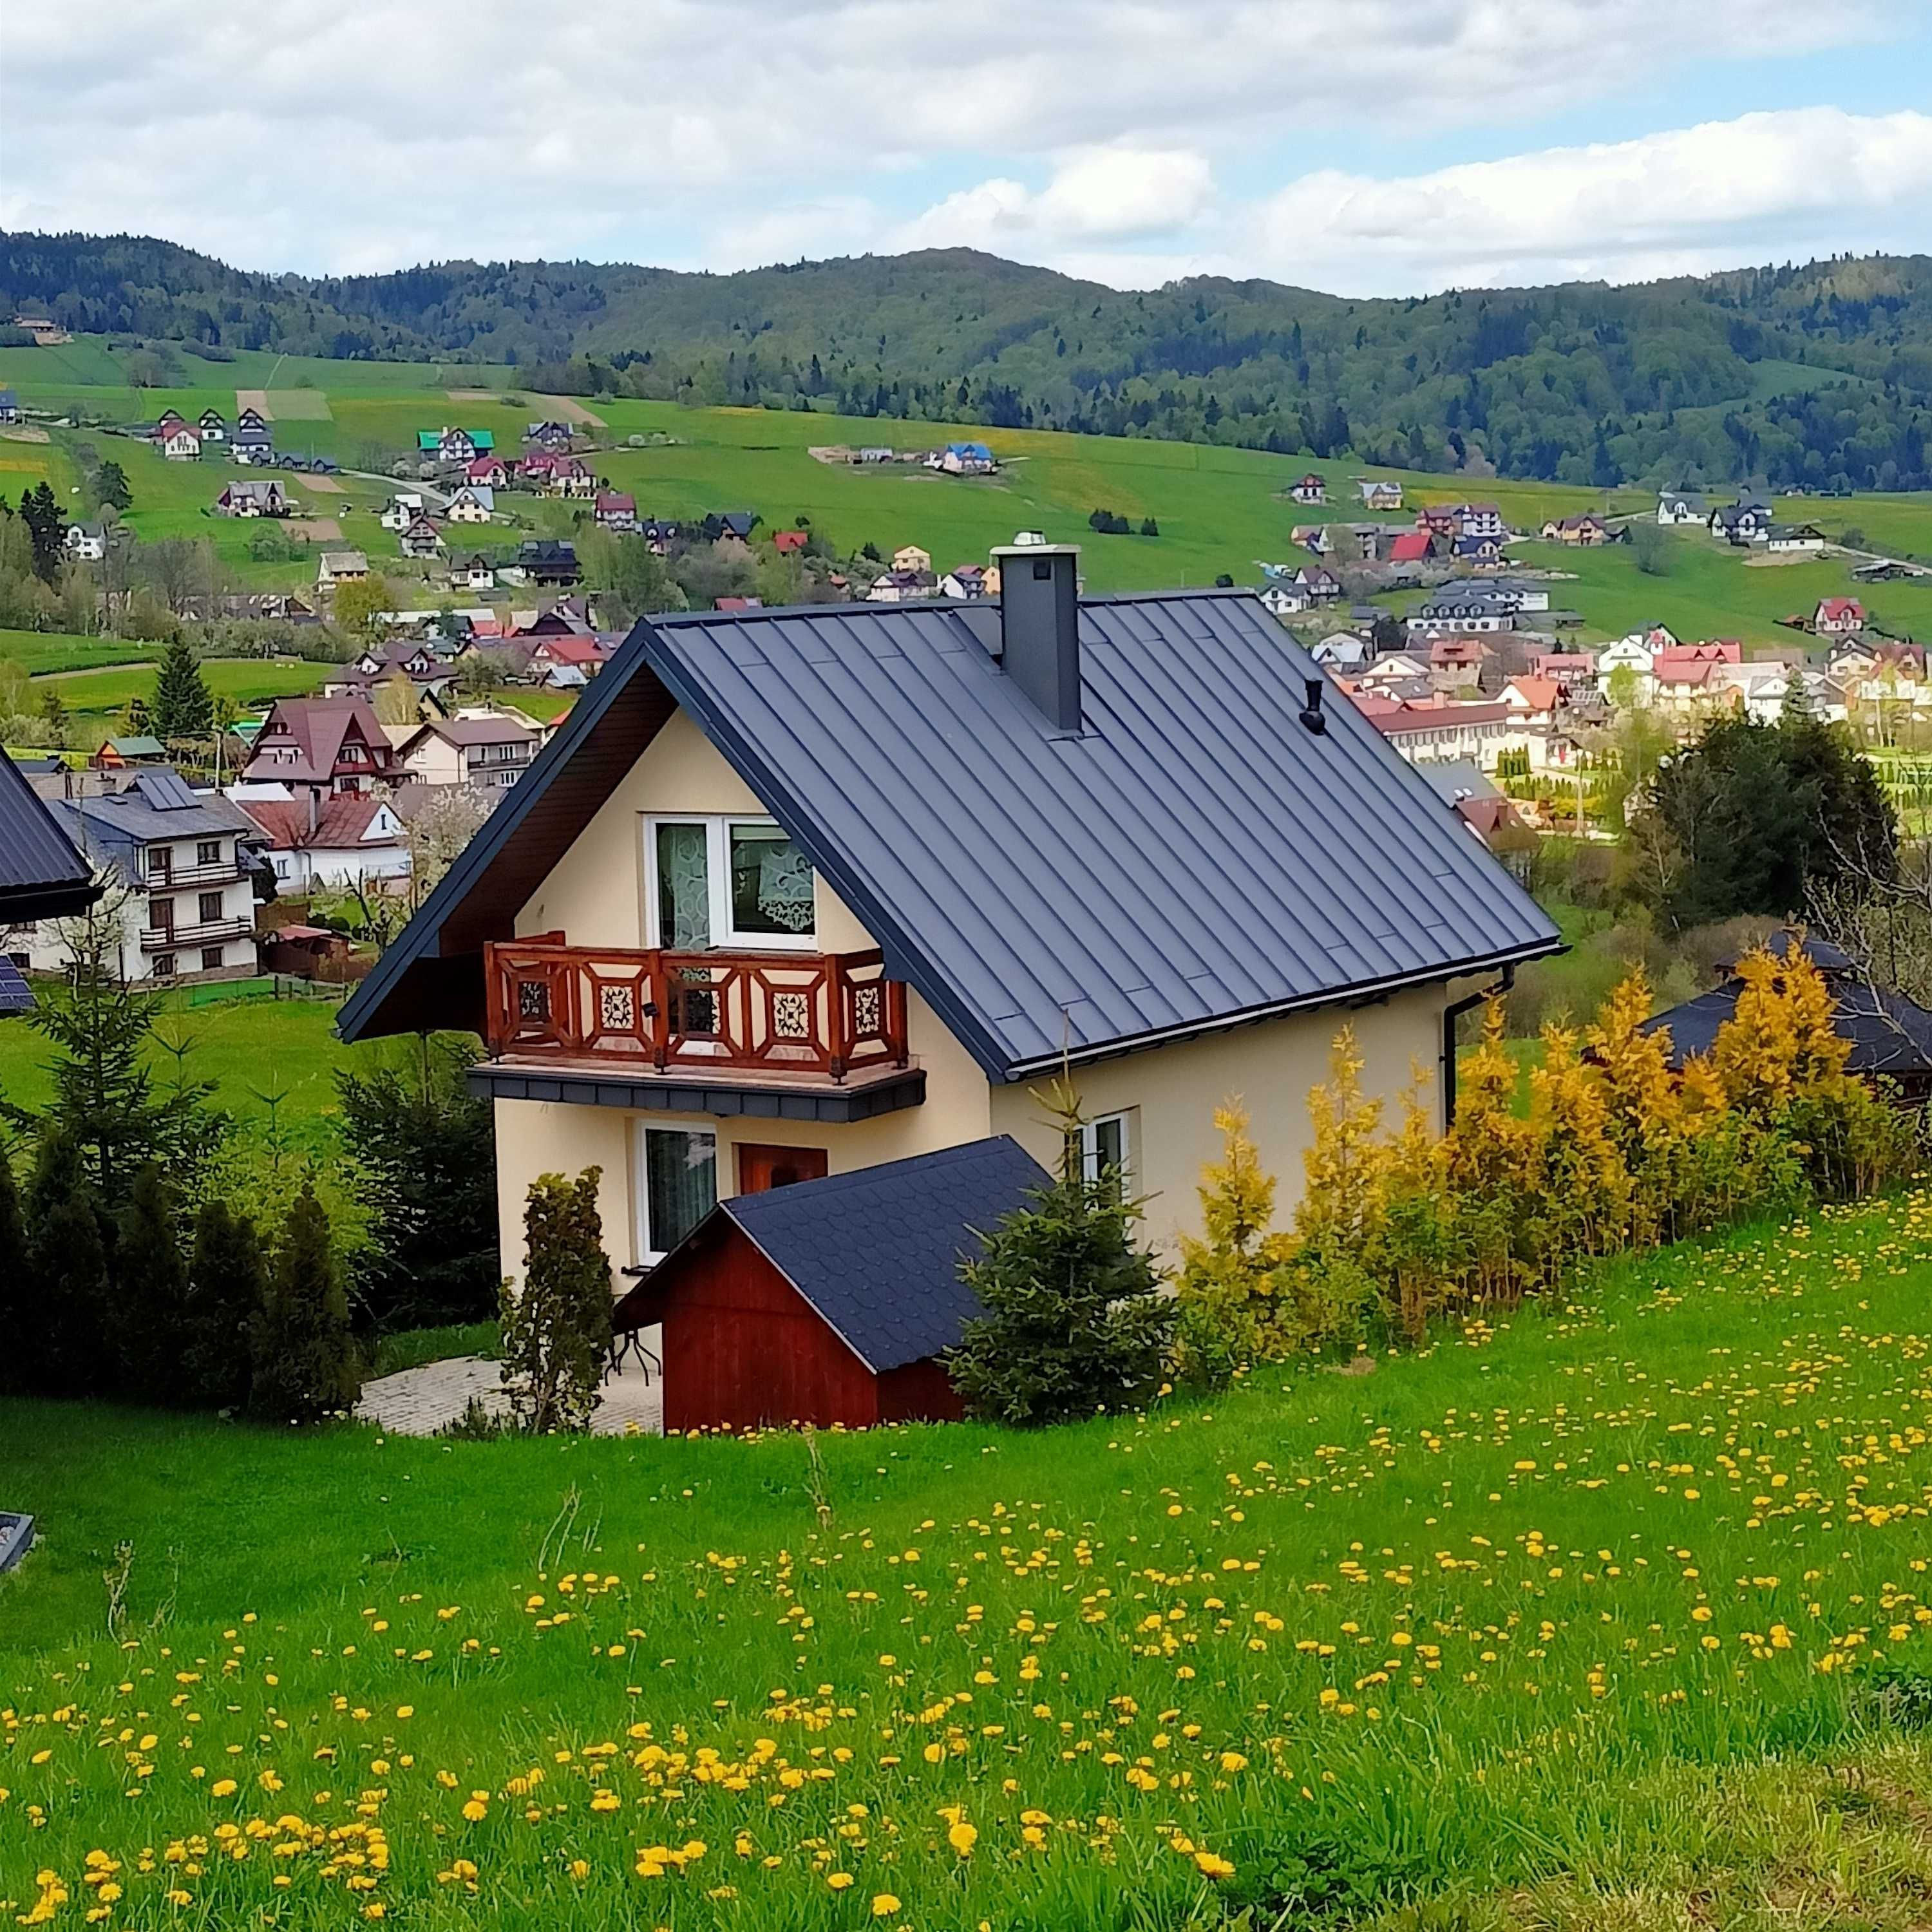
[(1615, 1152)]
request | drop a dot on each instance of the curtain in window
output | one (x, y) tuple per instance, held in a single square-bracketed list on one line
[(771, 882), (680, 1182), (684, 888)]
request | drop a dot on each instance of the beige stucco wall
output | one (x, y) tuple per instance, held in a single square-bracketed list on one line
[(595, 896), (1270, 1067)]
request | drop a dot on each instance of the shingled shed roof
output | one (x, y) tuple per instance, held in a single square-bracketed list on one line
[(876, 1251), (1190, 859)]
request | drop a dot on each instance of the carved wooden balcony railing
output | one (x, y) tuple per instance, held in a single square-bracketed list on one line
[(826, 1015)]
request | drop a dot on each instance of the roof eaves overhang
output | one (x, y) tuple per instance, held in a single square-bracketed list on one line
[(1360, 992)]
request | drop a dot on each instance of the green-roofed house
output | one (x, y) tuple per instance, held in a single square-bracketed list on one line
[(115, 752), (455, 445)]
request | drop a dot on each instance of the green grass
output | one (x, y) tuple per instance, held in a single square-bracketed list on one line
[(37, 651), (411, 1348), (247, 680), (1564, 1623)]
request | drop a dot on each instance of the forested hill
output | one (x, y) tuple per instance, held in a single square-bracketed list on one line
[(1816, 374)]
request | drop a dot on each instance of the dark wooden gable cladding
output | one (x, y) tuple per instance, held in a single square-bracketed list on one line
[(432, 978)]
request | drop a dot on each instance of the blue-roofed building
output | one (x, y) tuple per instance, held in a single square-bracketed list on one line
[(42, 876), (849, 882), (175, 867)]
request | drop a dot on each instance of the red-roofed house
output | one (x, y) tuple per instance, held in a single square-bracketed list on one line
[(322, 745), (347, 839), (1433, 734), (1838, 616), (1413, 547), (616, 510), (1566, 667), (788, 543), (489, 471), (567, 652)]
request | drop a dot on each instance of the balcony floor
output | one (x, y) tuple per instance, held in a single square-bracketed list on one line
[(763, 1093)]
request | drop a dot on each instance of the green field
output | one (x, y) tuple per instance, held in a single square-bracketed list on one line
[(1575, 1621), (37, 651), (248, 681)]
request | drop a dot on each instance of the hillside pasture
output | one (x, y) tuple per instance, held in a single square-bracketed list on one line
[(1577, 1619), (105, 691), (37, 651)]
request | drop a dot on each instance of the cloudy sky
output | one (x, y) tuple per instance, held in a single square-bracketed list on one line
[(1374, 147)]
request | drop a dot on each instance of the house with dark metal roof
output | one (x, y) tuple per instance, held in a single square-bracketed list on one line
[(172, 864), (1891, 1036), (43, 874), (852, 880), (827, 1299)]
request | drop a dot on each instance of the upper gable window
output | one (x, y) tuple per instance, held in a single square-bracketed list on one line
[(727, 882)]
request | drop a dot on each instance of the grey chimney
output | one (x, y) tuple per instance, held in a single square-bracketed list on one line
[(1040, 627)]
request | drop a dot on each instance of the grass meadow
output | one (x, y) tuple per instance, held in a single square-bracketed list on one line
[(1582, 1618)]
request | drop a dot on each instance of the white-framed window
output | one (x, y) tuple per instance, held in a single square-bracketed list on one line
[(1106, 1147), (676, 1186), (726, 881)]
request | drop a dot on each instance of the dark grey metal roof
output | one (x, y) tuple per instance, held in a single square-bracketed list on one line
[(877, 1252), (43, 874), (1889, 1034), (1194, 858)]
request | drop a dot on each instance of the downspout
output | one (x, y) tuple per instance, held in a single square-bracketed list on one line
[(1450, 1015)]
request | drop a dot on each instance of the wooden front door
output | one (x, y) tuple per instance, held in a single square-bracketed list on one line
[(760, 1168)]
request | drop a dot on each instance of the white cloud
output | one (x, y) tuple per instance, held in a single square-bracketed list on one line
[(347, 133)]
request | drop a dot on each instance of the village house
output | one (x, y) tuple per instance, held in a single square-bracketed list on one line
[(1794, 540), (1572, 670), (486, 472), (350, 839), (402, 510), (1379, 493), (549, 435), (249, 417), (1675, 508), (790, 543), (179, 442), (1479, 552), (615, 510), (321, 745), (965, 583), (1456, 664), (340, 566), (489, 752), (1310, 489), (214, 426), (1394, 668), (963, 459), (252, 497), (455, 445), (478, 574), (85, 543), (902, 586), (545, 561), (1838, 616), (559, 473), (10, 406), (1689, 681), (1342, 653), (421, 539), (252, 446), (1479, 519), (1583, 531), (174, 866), (117, 754), (473, 503), (760, 914), (1322, 584), (1518, 596), (909, 556), (410, 660), (1412, 547), (1427, 732), (1283, 597), (1443, 521), (1741, 522), (1460, 607), (585, 656)]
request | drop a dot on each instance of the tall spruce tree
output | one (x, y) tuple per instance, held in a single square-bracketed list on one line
[(19, 1296), (305, 1366), (151, 1291), (183, 706), (227, 1290), (105, 1103), (68, 1349), (1075, 1320)]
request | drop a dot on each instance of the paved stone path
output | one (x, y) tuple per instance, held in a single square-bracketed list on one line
[(420, 1401)]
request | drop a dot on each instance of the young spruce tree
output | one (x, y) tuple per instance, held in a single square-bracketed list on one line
[(305, 1364), (556, 1328), (150, 1298), (227, 1287), (1075, 1320), (64, 1347), (182, 707)]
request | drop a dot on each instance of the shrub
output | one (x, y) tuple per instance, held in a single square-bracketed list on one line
[(1229, 1287), (305, 1366), (65, 1349), (556, 1329), (1076, 1321), (227, 1290), (20, 1303)]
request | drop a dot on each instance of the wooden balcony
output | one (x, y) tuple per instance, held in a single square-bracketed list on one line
[(170, 938), (783, 1017)]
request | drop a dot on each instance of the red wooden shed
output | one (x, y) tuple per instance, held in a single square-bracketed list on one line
[(829, 1301)]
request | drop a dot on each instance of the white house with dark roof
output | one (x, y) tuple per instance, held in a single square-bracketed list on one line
[(824, 889)]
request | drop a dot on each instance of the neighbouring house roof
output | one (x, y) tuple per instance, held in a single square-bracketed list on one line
[(140, 746), (16, 995), (876, 1252), (1411, 547), (1889, 1034), (466, 731), (337, 561), (1539, 694), (342, 821), (965, 835), (42, 874), (1831, 607), (317, 726)]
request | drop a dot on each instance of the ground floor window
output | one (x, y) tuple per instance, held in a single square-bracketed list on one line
[(164, 965), (1106, 1147), (211, 958), (677, 1185)]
